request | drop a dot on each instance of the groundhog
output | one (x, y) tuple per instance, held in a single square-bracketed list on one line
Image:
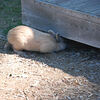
[(27, 38)]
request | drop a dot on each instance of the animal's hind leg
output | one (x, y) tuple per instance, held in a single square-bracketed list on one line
[(19, 52)]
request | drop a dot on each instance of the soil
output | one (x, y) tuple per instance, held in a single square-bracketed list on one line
[(72, 74)]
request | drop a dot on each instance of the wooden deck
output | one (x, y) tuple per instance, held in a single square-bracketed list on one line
[(77, 20)]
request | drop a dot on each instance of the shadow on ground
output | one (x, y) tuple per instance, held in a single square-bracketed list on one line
[(77, 60)]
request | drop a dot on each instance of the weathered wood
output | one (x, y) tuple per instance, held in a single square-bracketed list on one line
[(77, 20)]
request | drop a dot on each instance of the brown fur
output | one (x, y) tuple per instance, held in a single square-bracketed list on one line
[(26, 38)]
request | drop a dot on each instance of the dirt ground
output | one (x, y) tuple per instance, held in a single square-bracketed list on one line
[(73, 74)]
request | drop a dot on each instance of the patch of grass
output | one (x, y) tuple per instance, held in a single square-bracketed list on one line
[(10, 14)]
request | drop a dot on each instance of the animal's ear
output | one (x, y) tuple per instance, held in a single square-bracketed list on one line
[(51, 32), (57, 37)]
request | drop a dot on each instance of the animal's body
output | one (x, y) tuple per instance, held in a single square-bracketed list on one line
[(27, 38)]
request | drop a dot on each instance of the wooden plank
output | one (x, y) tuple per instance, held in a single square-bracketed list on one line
[(86, 6), (71, 24)]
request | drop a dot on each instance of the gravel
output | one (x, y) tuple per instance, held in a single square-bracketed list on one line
[(72, 74)]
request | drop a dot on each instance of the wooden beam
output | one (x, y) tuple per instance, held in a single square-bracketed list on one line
[(74, 20)]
